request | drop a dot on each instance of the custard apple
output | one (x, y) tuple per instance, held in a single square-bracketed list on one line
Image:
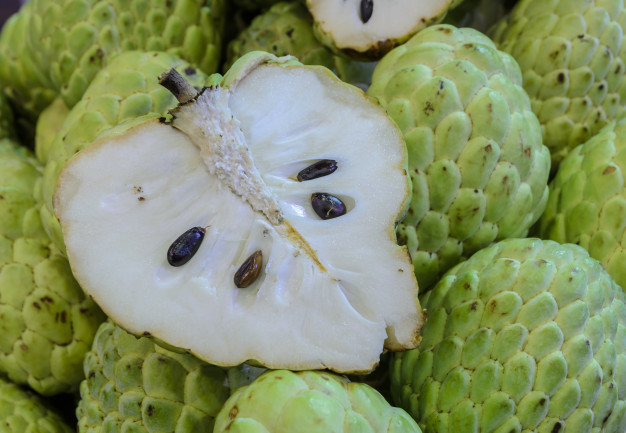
[(287, 28), (257, 225), (282, 401), (27, 87), (525, 336), (367, 29), (127, 88), (23, 411), (69, 41), (587, 204), (572, 54), (478, 167), (47, 323), (132, 384)]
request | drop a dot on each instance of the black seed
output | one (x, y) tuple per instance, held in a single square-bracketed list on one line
[(327, 206), (366, 10), (249, 271), (185, 246), (321, 168)]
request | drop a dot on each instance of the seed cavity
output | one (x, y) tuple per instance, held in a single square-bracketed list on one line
[(320, 168), (327, 206), (365, 10), (185, 246), (249, 271)]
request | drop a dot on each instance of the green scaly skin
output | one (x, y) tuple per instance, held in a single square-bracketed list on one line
[(526, 335), (287, 29), (132, 384), (26, 86), (47, 323), (587, 204), (23, 411), (282, 401), (69, 41), (49, 123), (478, 168), (126, 89), (572, 55)]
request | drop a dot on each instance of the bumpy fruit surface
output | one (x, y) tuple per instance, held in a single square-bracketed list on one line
[(132, 384), (127, 88), (572, 54), (29, 90), (281, 401), (526, 335), (587, 204), (478, 167), (47, 323), (23, 411), (287, 28), (68, 42)]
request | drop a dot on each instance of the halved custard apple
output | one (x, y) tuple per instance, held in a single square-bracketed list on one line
[(368, 29), (257, 225)]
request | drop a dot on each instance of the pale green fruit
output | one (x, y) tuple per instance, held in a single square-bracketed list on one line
[(282, 401), (525, 336), (478, 167), (572, 55), (368, 29), (230, 164), (49, 123), (23, 411), (28, 88), (69, 41), (127, 88), (587, 204), (46, 321), (133, 384), (287, 29)]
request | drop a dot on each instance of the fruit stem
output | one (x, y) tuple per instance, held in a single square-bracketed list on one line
[(178, 85)]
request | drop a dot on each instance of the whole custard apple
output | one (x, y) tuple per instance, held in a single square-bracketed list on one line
[(525, 336), (25, 411), (476, 160), (282, 401), (587, 204), (133, 384), (572, 54)]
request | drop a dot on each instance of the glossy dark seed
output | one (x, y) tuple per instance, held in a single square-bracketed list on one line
[(318, 169), (185, 246), (249, 271), (327, 206), (366, 10)]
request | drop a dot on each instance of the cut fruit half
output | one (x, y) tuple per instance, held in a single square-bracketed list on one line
[(263, 276), (368, 29)]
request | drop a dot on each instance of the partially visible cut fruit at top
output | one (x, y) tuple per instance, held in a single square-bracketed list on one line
[(368, 29), (259, 225)]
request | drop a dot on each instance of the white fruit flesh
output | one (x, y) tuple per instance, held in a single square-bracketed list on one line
[(331, 293), (392, 20)]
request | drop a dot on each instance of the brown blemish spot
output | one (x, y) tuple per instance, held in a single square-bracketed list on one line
[(428, 108), (488, 148), (233, 412), (289, 32), (556, 428), (141, 198), (474, 306), (609, 169), (23, 346), (36, 305), (400, 270), (560, 78), (150, 410)]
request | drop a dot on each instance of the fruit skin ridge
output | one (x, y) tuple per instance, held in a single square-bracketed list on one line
[(477, 165), (572, 56), (587, 203), (526, 335)]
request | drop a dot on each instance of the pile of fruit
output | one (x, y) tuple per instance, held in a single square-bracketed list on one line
[(313, 216)]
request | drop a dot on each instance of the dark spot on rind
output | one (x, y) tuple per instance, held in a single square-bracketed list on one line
[(560, 77), (609, 169), (557, 427), (190, 70), (150, 410)]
